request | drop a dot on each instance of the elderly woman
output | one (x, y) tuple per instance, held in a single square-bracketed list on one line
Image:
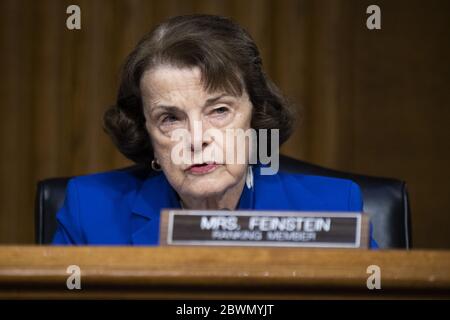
[(190, 72)]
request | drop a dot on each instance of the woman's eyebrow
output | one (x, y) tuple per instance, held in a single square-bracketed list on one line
[(207, 103), (213, 100), (166, 108)]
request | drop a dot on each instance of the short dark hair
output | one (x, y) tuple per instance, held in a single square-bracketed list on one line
[(228, 59)]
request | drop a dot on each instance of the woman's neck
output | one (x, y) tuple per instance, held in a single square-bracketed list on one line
[(227, 200)]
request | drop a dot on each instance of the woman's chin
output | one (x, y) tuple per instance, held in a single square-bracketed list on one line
[(205, 190), (209, 185), (206, 187)]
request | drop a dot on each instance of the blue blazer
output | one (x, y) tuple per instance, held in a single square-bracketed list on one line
[(117, 208)]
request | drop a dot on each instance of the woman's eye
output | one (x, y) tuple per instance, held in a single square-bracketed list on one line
[(169, 118), (220, 110)]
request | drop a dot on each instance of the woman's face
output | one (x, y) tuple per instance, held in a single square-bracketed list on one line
[(174, 99)]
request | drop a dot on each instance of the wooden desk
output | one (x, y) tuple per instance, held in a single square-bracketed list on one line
[(205, 272)]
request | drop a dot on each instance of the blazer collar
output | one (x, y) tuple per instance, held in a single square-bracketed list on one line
[(156, 194), (284, 192), (268, 193)]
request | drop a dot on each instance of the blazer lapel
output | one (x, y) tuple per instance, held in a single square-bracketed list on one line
[(154, 194), (275, 192), (268, 193)]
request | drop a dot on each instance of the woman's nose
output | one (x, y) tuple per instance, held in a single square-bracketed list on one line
[(198, 147), (199, 140)]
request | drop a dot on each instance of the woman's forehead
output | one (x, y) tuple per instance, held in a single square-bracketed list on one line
[(171, 85), (166, 80)]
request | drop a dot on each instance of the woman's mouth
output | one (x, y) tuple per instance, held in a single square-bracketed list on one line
[(202, 168)]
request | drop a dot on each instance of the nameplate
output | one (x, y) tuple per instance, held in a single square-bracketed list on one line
[(264, 228)]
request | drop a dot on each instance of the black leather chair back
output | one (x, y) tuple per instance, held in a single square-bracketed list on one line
[(386, 201)]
